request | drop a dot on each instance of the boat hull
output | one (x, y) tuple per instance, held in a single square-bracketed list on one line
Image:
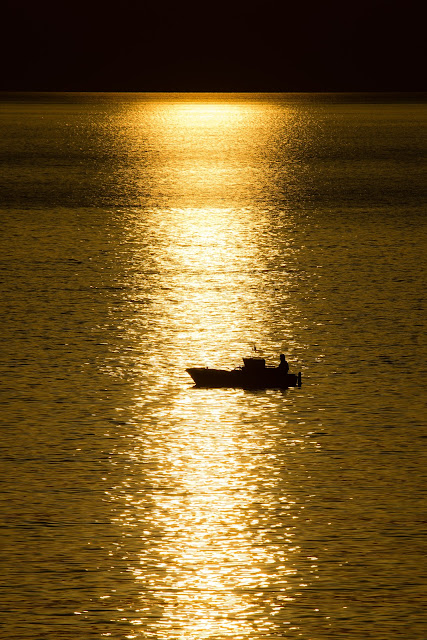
[(240, 379)]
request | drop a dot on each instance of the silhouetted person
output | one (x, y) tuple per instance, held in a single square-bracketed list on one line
[(283, 366)]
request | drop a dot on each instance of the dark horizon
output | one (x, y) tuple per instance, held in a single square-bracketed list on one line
[(307, 47)]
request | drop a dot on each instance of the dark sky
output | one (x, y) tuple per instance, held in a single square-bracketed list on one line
[(221, 46)]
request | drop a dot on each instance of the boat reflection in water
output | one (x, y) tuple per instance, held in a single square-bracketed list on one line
[(253, 375)]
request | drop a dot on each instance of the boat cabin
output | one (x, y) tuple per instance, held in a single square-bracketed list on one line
[(254, 364)]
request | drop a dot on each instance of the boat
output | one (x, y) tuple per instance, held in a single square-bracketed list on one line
[(253, 375)]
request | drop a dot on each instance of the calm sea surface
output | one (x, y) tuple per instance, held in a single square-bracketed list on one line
[(143, 234)]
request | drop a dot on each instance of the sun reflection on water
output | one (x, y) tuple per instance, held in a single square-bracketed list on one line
[(208, 559), (206, 507), (211, 151), (203, 284)]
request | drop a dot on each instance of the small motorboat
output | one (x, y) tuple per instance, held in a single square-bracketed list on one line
[(253, 375)]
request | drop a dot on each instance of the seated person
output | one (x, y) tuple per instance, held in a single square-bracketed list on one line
[(283, 366)]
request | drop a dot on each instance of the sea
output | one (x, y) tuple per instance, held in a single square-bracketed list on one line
[(142, 234)]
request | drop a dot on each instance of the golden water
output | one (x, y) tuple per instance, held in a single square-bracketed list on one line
[(143, 234)]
